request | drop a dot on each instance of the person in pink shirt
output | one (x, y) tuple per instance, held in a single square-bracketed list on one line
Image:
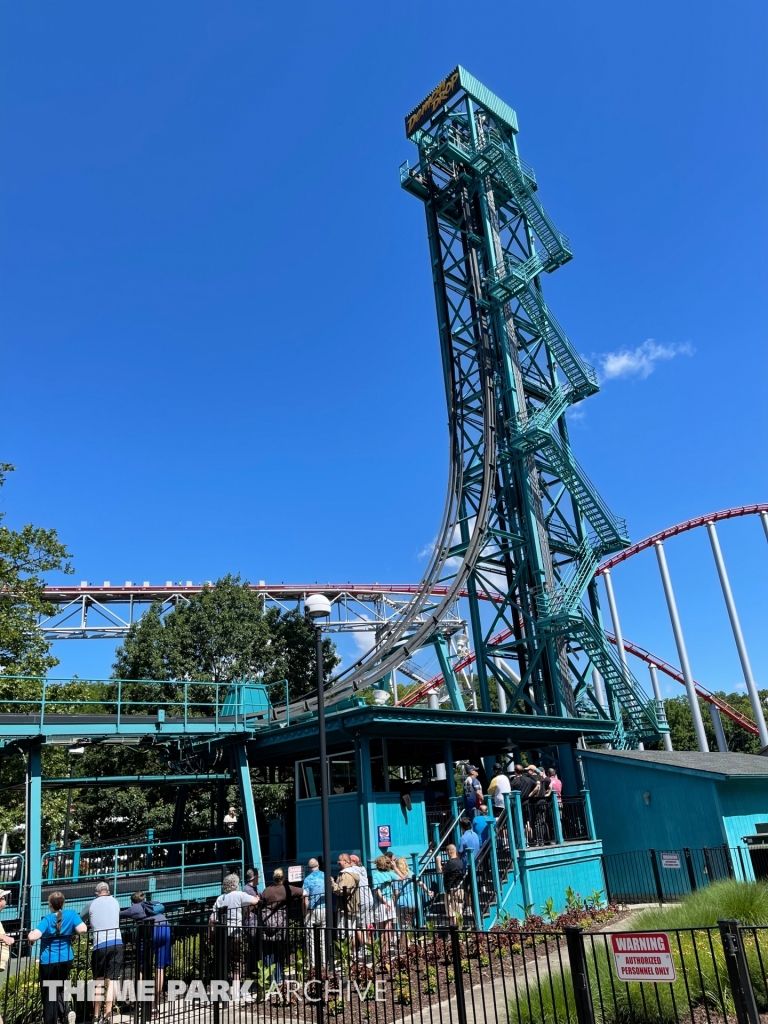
[(555, 784)]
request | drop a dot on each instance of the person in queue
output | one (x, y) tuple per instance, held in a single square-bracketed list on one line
[(384, 883), (314, 905), (453, 882), (273, 915), (103, 913), (57, 931), (473, 791), (499, 786), (230, 905)]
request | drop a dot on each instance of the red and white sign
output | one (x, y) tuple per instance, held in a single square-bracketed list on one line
[(643, 956)]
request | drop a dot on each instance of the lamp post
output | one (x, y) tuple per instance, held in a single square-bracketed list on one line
[(317, 607)]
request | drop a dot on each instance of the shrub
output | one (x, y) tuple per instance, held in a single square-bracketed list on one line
[(745, 901)]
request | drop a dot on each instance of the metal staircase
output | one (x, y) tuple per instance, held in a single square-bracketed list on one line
[(537, 542)]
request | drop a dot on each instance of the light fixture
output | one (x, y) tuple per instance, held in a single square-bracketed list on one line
[(317, 606)]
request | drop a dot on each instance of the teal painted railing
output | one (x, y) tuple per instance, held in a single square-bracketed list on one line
[(138, 705), (184, 860)]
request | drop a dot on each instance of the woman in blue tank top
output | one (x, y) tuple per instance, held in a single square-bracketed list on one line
[(57, 931)]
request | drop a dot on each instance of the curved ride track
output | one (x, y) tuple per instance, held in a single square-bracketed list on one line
[(451, 592)]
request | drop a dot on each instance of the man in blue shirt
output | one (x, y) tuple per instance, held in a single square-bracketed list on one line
[(480, 823), (314, 903), (469, 841)]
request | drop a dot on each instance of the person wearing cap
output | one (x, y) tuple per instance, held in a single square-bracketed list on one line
[(57, 931), (103, 915), (473, 791)]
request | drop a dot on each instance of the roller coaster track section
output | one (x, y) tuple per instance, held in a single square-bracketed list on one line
[(689, 524), (434, 683), (674, 673), (545, 528)]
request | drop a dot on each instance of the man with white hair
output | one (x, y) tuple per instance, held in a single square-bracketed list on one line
[(232, 900), (103, 914)]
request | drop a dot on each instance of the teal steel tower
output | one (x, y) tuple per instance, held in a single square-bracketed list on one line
[(537, 525)]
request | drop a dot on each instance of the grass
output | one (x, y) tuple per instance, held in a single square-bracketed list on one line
[(702, 977), (745, 901)]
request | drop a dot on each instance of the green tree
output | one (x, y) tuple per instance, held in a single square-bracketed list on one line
[(24, 556), (681, 724), (222, 634)]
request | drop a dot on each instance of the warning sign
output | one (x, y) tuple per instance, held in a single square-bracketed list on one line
[(643, 956), (670, 860)]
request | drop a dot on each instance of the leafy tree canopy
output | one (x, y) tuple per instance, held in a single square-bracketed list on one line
[(681, 724), (24, 555), (222, 634)]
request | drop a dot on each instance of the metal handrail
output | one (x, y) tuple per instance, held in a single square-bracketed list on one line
[(109, 857), (431, 853)]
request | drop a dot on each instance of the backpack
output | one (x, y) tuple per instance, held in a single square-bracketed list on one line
[(274, 920), (469, 786)]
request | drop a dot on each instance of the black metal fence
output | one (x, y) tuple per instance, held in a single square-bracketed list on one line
[(664, 876), (225, 973)]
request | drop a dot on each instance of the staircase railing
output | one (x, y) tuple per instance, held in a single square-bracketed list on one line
[(429, 857)]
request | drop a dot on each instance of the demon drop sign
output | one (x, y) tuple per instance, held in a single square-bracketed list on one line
[(643, 956)]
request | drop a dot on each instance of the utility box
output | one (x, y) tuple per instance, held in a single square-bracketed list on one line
[(249, 700)]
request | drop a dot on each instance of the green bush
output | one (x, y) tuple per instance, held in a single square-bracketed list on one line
[(20, 1001), (745, 901)]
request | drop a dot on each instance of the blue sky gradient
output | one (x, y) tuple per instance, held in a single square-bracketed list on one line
[(219, 340)]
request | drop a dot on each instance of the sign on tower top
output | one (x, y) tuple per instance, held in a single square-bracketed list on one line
[(459, 79)]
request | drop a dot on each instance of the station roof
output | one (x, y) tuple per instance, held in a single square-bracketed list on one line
[(417, 733), (722, 766)]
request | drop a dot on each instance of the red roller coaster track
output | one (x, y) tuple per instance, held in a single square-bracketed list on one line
[(107, 592), (639, 652), (673, 531)]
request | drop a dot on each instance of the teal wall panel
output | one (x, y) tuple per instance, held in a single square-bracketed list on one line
[(550, 871), (743, 805), (345, 827), (408, 827), (684, 809)]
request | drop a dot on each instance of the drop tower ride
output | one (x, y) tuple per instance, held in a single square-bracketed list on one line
[(510, 375)]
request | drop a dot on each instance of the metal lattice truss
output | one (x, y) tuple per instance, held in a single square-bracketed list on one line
[(106, 612), (545, 528), (523, 528)]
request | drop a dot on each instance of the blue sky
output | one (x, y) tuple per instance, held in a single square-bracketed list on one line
[(219, 340)]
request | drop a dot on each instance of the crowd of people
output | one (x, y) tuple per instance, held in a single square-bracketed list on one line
[(383, 902), (535, 786), (102, 917)]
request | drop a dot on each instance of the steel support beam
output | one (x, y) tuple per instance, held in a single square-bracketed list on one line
[(738, 636), (682, 652), (248, 809)]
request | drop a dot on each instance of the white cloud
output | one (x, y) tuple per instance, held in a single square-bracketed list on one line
[(641, 361), (427, 550), (364, 641)]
